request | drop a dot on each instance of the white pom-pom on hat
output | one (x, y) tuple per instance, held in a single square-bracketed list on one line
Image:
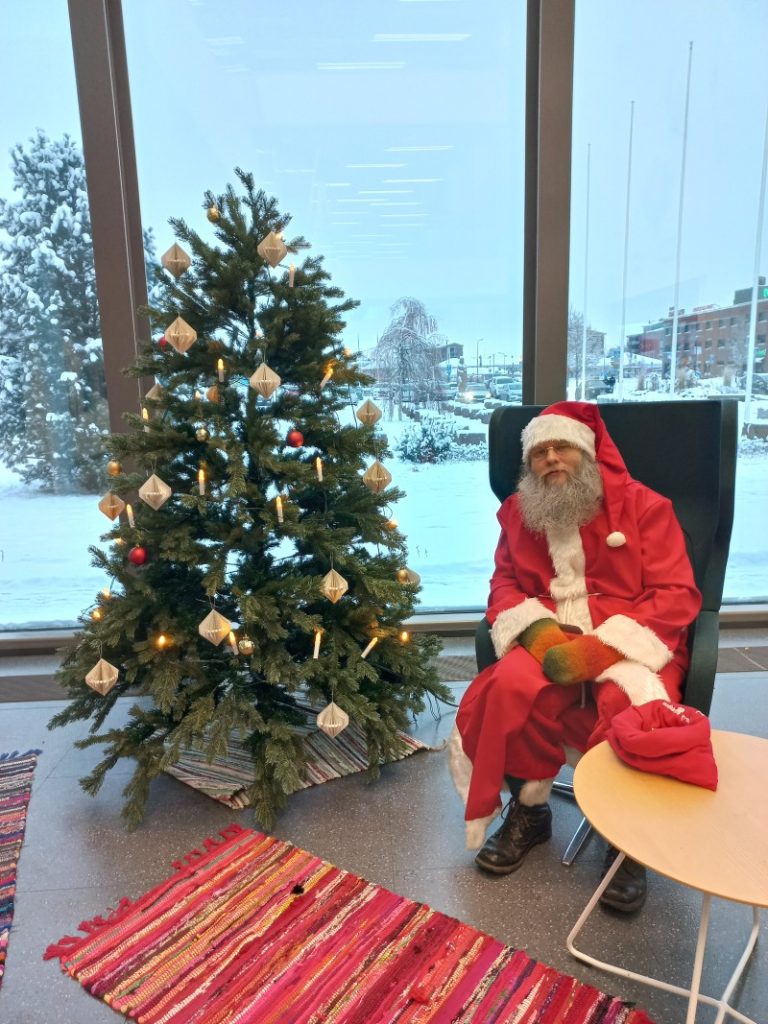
[(615, 539)]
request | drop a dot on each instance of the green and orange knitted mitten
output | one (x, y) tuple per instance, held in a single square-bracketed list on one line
[(579, 660), (540, 636)]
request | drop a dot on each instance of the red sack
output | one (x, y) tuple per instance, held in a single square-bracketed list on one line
[(666, 739)]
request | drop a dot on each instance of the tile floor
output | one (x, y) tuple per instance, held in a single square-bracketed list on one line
[(404, 832)]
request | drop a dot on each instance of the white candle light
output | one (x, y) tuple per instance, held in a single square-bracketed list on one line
[(232, 642), (220, 369), (129, 513), (370, 647), (327, 377), (291, 275), (316, 651), (319, 468), (201, 480), (145, 417), (279, 508)]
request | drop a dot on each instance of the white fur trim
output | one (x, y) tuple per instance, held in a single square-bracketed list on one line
[(535, 791), (616, 539), (459, 764), (635, 642), (569, 586), (474, 831), (557, 428), (511, 622), (637, 681)]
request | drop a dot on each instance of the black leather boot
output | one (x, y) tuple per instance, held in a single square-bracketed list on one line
[(629, 886), (523, 828)]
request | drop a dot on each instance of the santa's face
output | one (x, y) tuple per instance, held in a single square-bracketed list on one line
[(554, 462)]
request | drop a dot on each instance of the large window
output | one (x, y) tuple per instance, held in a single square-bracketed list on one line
[(393, 135), (52, 396), (669, 143)]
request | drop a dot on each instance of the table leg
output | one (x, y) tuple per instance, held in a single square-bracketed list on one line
[(693, 995)]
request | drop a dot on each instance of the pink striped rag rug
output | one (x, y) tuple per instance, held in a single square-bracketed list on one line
[(253, 929), (16, 771)]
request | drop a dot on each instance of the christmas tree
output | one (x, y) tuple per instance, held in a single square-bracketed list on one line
[(256, 568)]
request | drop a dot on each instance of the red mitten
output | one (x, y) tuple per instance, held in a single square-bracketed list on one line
[(540, 636), (579, 660)]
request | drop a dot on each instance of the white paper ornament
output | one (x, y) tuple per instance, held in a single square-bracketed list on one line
[(155, 392), (214, 628), (334, 586), (180, 335), (615, 539), (272, 249), (369, 413), (264, 380), (111, 505), (155, 492), (102, 677), (176, 260), (332, 720), (376, 477)]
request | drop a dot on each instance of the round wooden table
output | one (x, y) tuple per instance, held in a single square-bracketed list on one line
[(716, 842)]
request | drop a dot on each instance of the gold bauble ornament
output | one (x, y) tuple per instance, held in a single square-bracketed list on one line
[(155, 492), (111, 505), (272, 248), (246, 646), (180, 335), (102, 677), (114, 468), (369, 413), (334, 586), (214, 628), (332, 720), (213, 214), (409, 577), (264, 381), (202, 434), (377, 478), (176, 261)]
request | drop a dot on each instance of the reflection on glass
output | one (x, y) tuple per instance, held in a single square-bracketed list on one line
[(394, 137), (52, 396), (667, 298)]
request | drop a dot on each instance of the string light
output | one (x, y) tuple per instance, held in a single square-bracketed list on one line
[(97, 614), (316, 651), (328, 375), (201, 480), (129, 513), (279, 509), (291, 275), (162, 642), (319, 468), (405, 636), (220, 370), (145, 417), (232, 642)]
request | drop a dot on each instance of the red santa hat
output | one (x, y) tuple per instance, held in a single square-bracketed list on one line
[(581, 424), (666, 739)]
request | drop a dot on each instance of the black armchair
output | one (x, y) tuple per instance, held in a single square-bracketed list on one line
[(685, 451)]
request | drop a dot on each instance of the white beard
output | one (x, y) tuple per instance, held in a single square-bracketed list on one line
[(575, 502)]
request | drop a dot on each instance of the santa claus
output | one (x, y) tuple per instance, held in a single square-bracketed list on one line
[(590, 603)]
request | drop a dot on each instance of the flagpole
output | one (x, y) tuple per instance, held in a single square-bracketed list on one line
[(586, 279), (676, 301), (748, 384), (622, 336)]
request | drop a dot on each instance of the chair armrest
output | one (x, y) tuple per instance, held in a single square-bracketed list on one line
[(699, 682), (484, 650)]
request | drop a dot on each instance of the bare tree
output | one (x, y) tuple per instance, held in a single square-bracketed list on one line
[(409, 349)]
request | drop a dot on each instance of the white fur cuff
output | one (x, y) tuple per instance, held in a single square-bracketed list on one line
[(511, 622), (459, 765), (635, 642), (637, 681)]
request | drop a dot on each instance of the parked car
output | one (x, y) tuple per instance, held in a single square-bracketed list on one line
[(498, 382), (512, 392)]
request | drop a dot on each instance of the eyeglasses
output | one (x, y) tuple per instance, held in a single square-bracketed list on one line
[(560, 448)]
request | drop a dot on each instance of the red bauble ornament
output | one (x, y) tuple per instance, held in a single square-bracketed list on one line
[(163, 342), (137, 555), (295, 438)]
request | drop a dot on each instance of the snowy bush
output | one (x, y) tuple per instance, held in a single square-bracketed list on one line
[(430, 441)]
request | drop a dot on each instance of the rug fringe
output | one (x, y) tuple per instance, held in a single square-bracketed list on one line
[(209, 844), (16, 754)]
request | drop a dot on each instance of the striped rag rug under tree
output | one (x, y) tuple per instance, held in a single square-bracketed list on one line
[(16, 772), (252, 929)]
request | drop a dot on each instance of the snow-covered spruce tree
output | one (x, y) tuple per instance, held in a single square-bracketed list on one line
[(53, 410), (228, 449)]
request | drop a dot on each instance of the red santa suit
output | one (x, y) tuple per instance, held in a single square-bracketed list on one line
[(625, 577)]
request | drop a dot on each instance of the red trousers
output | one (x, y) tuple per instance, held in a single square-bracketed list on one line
[(513, 721)]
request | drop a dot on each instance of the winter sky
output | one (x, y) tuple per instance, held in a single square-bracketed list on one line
[(393, 133)]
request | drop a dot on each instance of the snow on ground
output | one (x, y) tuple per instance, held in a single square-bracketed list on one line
[(448, 516)]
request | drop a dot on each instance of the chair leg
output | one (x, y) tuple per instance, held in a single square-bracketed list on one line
[(581, 834)]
